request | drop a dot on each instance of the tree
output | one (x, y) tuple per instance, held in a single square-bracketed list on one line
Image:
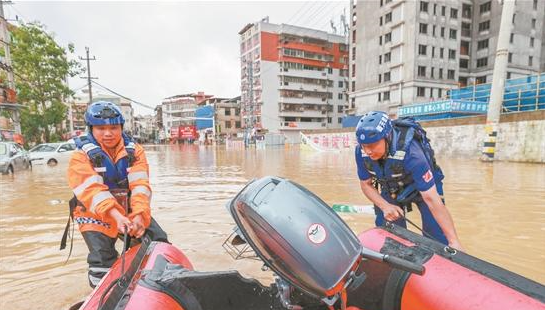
[(41, 67)]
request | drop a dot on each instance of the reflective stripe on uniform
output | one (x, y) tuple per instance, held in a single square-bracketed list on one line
[(88, 182), (399, 155), (141, 189), (88, 147), (134, 176), (100, 169), (100, 197), (99, 269), (94, 280)]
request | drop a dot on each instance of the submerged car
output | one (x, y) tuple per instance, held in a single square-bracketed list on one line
[(13, 158), (52, 153)]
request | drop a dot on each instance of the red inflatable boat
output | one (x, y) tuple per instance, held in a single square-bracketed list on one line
[(319, 264)]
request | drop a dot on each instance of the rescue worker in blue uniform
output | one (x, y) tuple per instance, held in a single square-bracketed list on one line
[(396, 158), (109, 176)]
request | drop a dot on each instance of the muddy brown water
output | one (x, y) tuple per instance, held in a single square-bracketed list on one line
[(499, 212)]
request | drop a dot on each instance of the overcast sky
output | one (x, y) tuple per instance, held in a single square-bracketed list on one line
[(151, 50)]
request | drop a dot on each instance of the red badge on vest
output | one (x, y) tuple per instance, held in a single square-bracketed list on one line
[(427, 176)]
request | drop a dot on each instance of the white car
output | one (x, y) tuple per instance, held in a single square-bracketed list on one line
[(52, 153)]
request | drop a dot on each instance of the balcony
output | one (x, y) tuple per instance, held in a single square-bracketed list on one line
[(312, 74), (303, 125), (308, 100), (303, 86), (303, 113)]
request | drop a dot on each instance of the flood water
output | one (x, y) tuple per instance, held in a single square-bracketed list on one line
[(498, 209)]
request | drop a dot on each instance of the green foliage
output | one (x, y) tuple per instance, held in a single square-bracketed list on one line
[(41, 67)]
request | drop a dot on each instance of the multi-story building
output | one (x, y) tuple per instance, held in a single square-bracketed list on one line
[(180, 109), (405, 52), (292, 78), (228, 117)]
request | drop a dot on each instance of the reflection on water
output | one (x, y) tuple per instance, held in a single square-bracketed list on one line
[(499, 210)]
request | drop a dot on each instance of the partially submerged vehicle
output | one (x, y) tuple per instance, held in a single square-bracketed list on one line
[(319, 263)]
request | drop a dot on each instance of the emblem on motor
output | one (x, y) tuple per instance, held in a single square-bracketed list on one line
[(316, 233)]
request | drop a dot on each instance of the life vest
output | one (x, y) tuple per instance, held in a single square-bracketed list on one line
[(113, 174), (391, 175)]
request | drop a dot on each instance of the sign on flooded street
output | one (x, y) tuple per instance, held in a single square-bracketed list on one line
[(497, 209)]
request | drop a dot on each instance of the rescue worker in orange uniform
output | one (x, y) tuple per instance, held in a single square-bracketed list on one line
[(109, 176)]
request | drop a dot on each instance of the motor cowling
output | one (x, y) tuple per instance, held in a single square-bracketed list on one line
[(297, 235)]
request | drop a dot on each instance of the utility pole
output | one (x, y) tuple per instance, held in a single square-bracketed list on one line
[(498, 81), (88, 77)]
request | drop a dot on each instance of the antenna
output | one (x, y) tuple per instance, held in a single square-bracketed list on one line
[(333, 28)]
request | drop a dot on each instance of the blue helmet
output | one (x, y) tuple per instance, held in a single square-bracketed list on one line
[(372, 127), (103, 113)]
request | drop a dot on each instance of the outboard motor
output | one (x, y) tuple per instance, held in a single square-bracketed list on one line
[(301, 239)]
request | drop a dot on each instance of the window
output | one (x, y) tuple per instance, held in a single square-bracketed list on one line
[(513, 20), (379, 59), (434, 8), (422, 71), (388, 37), (379, 40), (387, 57), (339, 109), (533, 23), (353, 53), (485, 7), (433, 51), (466, 30), (388, 18), (480, 79), (531, 42), (423, 6), (508, 75), (453, 33), (510, 57), (386, 95), (237, 124), (227, 112), (482, 62), (354, 36), (423, 28), (464, 63), (453, 13), (443, 10), (379, 96), (340, 96), (441, 50), (353, 86), (530, 61), (440, 92), (440, 73), (380, 78), (380, 21), (512, 38), (451, 54), (450, 74), (422, 49), (431, 92), (482, 44), (484, 25), (442, 32), (433, 30), (68, 147), (466, 11), (420, 91), (432, 73), (340, 84), (464, 48), (387, 77), (329, 120), (353, 70), (535, 4)]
